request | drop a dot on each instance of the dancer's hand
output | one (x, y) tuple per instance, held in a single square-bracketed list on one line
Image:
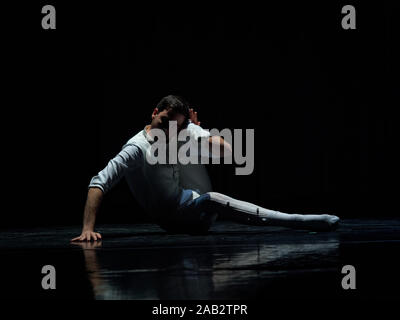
[(193, 116), (87, 236)]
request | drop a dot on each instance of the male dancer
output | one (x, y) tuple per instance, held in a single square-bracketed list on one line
[(178, 197)]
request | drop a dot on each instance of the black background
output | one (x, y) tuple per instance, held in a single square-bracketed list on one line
[(322, 101)]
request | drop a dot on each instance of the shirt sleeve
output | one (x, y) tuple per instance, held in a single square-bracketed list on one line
[(130, 157), (200, 136), (197, 132)]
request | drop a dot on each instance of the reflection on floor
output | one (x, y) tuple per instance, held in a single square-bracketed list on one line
[(231, 262)]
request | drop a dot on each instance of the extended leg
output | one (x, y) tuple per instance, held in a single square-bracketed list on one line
[(248, 213)]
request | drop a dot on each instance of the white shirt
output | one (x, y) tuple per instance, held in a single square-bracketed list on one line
[(157, 186)]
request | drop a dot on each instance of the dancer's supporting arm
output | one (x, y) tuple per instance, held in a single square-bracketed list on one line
[(92, 206), (100, 184)]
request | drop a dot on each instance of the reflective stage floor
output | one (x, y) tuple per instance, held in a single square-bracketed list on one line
[(231, 262)]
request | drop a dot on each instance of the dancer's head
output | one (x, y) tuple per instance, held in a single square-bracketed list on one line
[(170, 108)]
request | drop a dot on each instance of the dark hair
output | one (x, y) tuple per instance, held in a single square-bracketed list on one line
[(176, 103)]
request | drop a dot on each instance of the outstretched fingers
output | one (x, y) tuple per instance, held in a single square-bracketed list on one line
[(88, 236)]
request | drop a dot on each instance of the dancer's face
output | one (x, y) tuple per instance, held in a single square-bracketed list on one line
[(160, 120)]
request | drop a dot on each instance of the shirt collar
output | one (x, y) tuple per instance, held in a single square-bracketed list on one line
[(147, 136)]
